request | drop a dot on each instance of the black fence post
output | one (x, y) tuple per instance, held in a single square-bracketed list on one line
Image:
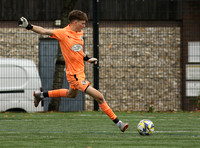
[(96, 48)]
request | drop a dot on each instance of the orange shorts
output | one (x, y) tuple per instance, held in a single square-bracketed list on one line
[(78, 82)]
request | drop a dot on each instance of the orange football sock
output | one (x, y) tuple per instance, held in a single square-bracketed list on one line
[(58, 93), (106, 109)]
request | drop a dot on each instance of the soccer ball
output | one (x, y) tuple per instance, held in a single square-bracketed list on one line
[(145, 127)]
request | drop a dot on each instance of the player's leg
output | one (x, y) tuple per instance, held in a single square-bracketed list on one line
[(105, 108), (68, 93), (72, 93)]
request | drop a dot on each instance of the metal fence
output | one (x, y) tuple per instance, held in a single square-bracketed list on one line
[(140, 65)]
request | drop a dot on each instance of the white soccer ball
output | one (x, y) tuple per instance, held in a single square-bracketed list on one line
[(145, 127)]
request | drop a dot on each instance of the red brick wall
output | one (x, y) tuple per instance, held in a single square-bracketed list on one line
[(190, 32)]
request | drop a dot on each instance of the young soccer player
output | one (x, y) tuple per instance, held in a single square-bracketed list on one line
[(71, 42)]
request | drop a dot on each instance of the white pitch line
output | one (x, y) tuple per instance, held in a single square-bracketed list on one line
[(176, 131)]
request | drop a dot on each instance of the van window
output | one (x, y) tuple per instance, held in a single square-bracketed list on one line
[(12, 77)]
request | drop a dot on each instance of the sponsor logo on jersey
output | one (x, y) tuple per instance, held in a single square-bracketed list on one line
[(77, 47)]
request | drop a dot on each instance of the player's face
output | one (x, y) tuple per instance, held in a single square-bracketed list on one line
[(80, 25)]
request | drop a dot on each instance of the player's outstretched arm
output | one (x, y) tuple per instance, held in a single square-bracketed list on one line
[(24, 23)]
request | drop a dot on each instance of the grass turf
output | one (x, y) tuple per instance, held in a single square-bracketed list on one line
[(96, 130)]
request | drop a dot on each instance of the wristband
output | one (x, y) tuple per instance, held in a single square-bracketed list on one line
[(29, 27), (86, 58)]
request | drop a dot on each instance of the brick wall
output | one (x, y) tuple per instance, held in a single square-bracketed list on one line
[(190, 32), (139, 63)]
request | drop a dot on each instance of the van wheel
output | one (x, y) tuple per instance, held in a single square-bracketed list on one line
[(17, 110)]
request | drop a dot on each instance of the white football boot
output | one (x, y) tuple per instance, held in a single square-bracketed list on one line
[(37, 98), (123, 126)]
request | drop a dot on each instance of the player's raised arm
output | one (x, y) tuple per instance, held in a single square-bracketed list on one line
[(24, 23)]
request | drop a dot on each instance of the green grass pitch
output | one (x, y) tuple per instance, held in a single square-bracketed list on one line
[(96, 130)]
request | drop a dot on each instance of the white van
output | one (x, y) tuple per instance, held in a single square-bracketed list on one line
[(19, 78)]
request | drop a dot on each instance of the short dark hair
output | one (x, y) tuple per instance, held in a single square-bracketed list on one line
[(77, 15)]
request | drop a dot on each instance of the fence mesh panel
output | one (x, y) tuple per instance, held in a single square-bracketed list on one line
[(148, 65)]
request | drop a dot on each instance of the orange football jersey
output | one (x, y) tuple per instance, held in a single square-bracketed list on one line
[(71, 44)]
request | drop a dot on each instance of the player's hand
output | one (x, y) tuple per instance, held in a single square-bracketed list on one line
[(93, 60), (22, 22)]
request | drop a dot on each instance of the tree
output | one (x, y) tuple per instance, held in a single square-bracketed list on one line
[(60, 63)]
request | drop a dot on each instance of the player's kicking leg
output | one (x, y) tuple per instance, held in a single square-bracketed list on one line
[(105, 108)]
